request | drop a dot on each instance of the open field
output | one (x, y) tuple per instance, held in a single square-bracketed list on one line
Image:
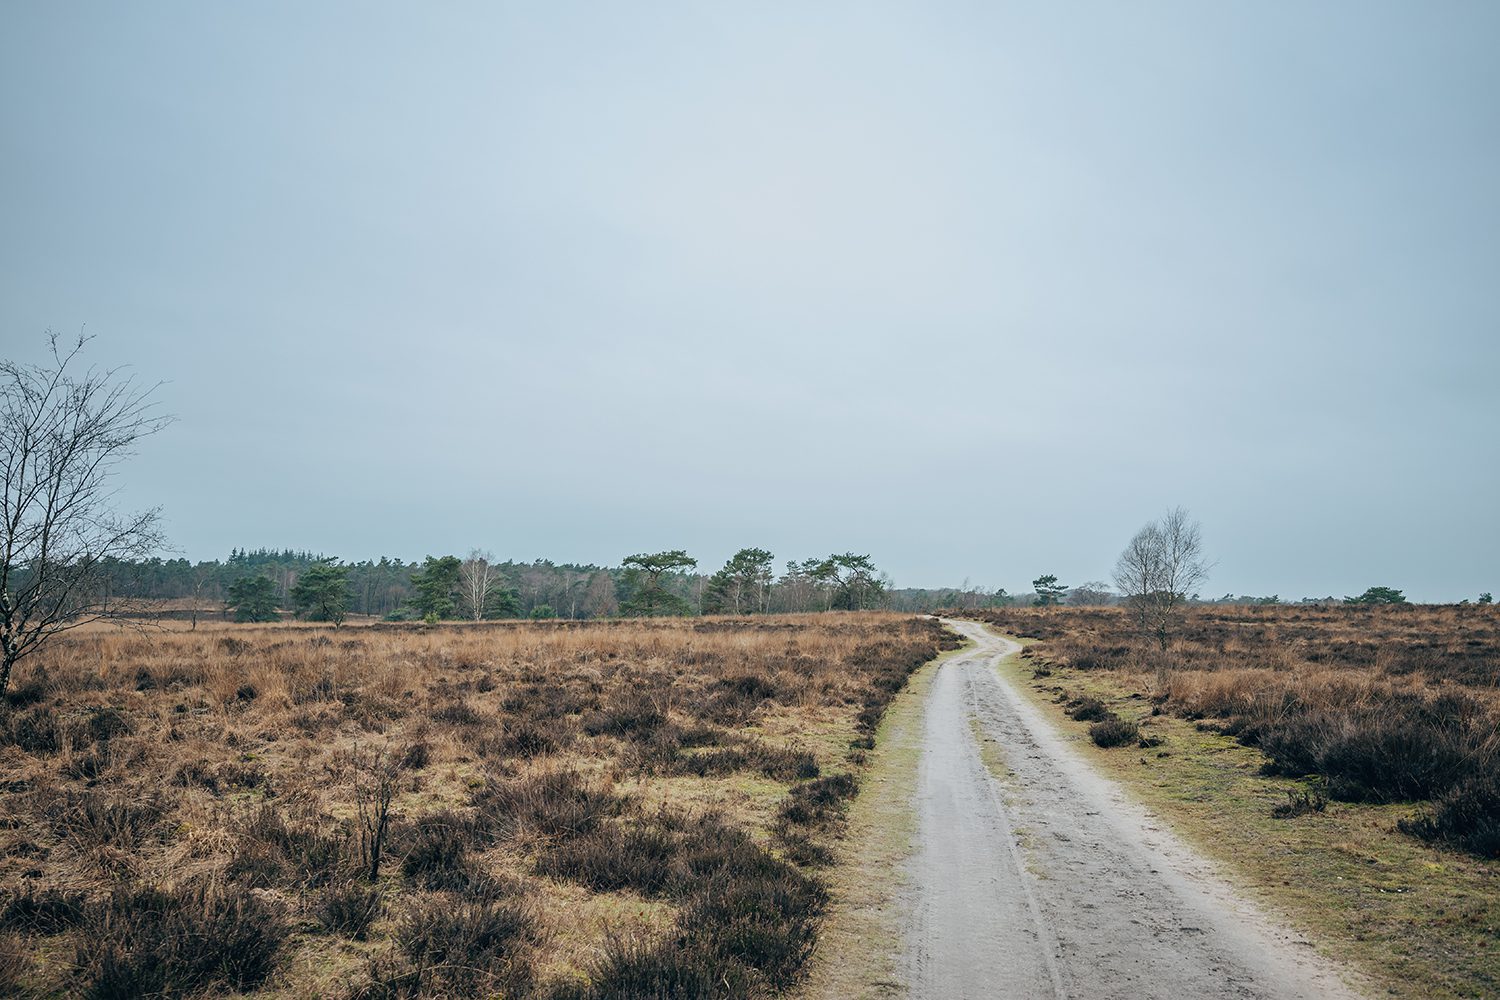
[(603, 810), (1335, 760)]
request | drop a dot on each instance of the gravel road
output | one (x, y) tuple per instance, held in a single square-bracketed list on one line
[(1050, 882)]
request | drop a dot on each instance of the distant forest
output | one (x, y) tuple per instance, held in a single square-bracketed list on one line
[(664, 583), (392, 589)]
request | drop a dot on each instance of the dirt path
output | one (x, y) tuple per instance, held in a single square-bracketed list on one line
[(1035, 877)]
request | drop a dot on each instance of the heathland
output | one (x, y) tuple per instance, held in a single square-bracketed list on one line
[(1343, 762), (609, 809)]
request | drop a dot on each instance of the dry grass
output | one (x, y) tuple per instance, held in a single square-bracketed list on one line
[(1421, 920), (1256, 714), (565, 810), (1391, 704)]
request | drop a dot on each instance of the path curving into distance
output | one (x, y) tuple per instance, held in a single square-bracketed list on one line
[(1049, 882)]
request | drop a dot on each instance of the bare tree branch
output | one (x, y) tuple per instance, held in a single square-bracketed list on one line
[(62, 435)]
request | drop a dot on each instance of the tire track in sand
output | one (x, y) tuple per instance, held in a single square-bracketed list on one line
[(1053, 883)]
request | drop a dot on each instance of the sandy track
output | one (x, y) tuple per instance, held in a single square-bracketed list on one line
[(1049, 882)]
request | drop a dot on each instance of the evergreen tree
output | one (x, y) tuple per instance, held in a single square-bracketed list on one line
[(643, 576), (852, 580), (321, 593), (253, 599), (742, 586), (1378, 595), (1048, 590), (436, 585)]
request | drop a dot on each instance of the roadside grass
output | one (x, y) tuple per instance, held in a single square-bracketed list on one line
[(1422, 922), (859, 951)]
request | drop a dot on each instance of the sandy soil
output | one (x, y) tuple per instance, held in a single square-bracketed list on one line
[(1035, 877)]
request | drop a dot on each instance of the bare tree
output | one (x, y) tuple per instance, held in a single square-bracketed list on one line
[(599, 599), (62, 433), (1159, 569), (477, 581), (1094, 593)]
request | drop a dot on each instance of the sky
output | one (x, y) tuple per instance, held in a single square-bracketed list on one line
[(976, 288)]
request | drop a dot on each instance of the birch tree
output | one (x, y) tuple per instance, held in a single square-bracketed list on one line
[(1158, 571), (477, 581)]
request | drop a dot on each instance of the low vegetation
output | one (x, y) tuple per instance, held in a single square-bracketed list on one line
[(1383, 704), (1298, 746), (612, 809)]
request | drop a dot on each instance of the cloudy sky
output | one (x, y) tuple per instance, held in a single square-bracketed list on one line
[(976, 288)]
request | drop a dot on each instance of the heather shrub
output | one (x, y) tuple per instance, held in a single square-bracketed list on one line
[(1113, 731), (163, 942)]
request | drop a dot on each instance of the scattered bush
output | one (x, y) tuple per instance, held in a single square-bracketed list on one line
[(348, 907), (551, 804), (1411, 748), (1088, 709), (273, 851), (97, 817), (467, 947), (269, 712), (1113, 731), (1466, 816), (435, 847), (815, 802), (153, 942), (1384, 704), (1300, 803)]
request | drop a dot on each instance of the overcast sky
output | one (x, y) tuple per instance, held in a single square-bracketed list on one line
[(976, 288)]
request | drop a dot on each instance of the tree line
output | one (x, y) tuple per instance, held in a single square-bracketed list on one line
[(262, 584)]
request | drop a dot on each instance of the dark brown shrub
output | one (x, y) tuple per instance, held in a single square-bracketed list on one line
[(552, 804), (458, 713), (733, 700), (1300, 803), (1466, 816), (153, 942), (630, 714), (608, 859), (273, 850), (640, 967), (816, 802), (434, 847), (416, 756), (1113, 731), (43, 911), (348, 907), (529, 738), (98, 817), (1088, 709), (37, 731), (784, 763), (800, 849), (469, 947), (714, 763)]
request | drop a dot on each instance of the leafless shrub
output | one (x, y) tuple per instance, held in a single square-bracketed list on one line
[(373, 775)]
